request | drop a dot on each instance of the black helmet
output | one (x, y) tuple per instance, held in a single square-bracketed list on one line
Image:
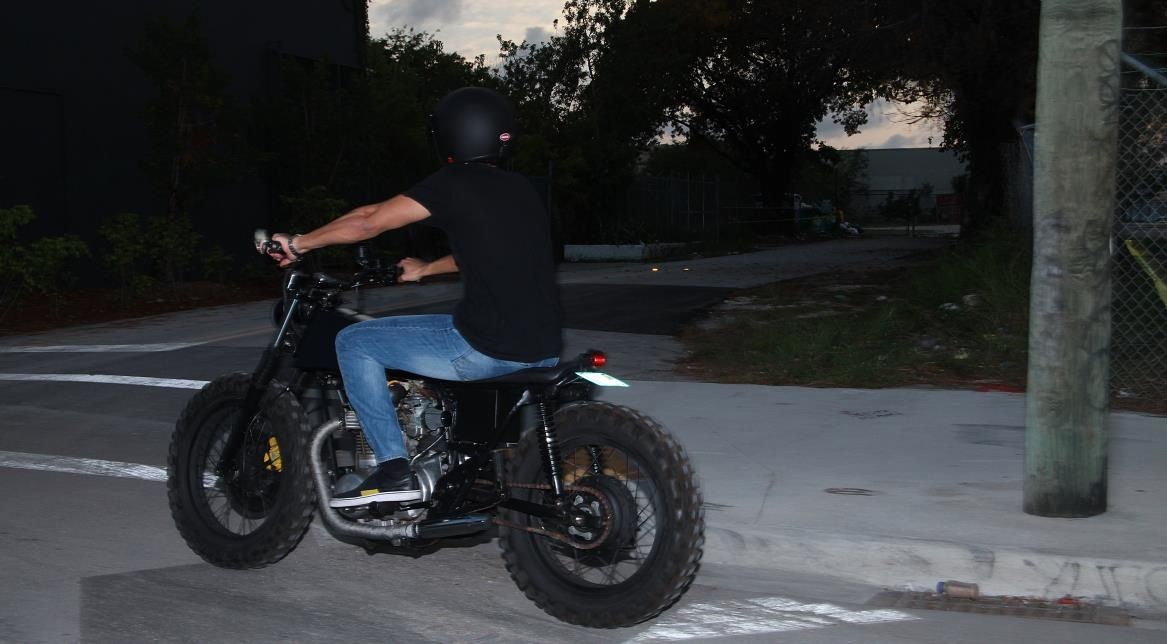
[(473, 124)]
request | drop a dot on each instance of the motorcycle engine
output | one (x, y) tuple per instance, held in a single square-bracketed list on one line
[(425, 418), (420, 412)]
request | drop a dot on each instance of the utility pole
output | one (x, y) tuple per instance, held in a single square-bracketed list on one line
[(1069, 337)]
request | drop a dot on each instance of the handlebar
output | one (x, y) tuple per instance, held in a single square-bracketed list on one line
[(266, 245), (374, 275)]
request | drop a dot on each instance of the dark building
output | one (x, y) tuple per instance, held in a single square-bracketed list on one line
[(897, 171), (72, 137)]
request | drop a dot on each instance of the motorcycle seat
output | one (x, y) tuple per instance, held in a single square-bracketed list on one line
[(534, 375), (549, 375)]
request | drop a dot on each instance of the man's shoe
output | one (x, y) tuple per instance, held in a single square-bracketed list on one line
[(391, 481)]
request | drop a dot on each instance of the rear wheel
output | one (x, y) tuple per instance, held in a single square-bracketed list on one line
[(635, 538), (252, 510)]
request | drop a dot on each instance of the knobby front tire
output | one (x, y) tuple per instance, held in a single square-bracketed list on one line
[(257, 515)]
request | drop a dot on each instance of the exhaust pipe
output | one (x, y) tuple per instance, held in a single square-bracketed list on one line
[(337, 524), (452, 526)]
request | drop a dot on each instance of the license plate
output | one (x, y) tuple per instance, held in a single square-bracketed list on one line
[(601, 379)]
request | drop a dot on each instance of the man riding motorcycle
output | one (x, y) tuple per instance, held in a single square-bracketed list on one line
[(509, 317)]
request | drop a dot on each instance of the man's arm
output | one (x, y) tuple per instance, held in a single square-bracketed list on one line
[(364, 223), (358, 225)]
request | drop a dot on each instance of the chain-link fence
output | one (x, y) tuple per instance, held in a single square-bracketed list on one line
[(688, 207), (1139, 272)]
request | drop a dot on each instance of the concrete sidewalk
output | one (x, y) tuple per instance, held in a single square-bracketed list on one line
[(903, 488)]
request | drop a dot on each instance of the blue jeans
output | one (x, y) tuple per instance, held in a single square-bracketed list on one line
[(427, 345)]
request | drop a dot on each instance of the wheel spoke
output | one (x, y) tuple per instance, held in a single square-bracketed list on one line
[(575, 556), (628, 481), (593, 567), (223, 514), (241, 505), (596, 457), (615, 553), (240, 509)]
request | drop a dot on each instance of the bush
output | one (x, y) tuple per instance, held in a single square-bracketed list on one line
[(11, 219), (125, 250), (216, 265), (310, 209), (41, 267), (171, 245)]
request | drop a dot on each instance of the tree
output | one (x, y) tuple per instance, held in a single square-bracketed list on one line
[(335, 137), (972, 64), (752, 78), (689, 157), (409, 73), (746, 78), (589, 143), (195, 134), (832, 175)]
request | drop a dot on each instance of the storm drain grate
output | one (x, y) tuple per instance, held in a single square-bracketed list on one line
[(1068, 609)]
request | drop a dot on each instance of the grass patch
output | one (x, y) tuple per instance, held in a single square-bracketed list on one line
[(952, 318)]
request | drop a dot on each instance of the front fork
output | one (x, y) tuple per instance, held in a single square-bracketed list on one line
[(259, 382), (265, 371)]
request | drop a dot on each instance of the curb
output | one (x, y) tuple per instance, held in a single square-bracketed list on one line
[(918, 564)]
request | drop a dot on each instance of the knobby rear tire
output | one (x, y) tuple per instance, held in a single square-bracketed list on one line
[(281, 517), (669, 568)]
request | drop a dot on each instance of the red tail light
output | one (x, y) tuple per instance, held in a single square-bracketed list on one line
[(597, 359)]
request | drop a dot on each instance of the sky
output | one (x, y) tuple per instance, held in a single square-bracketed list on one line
[(469, 28)]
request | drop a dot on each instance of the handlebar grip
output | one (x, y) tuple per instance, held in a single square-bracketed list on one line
[(266, 244)]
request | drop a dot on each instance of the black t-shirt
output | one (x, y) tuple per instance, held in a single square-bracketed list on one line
[(500, 236)]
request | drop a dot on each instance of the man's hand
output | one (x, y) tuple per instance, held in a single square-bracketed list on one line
[(412, 269), (285, 258)]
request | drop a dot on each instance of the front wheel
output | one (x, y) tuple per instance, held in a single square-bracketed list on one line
[(251, 510), (635, 538)]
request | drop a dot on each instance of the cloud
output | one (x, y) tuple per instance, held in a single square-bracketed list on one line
[(535, 35), (828, 129), (468, 28), (417, 12), (886, 127)]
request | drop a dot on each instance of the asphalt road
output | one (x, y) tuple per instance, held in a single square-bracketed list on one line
[(640, 309), (88, 551)]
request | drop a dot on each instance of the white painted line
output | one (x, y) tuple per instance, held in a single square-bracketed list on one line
[(90, 466), (758, 617), (174, 383), (100, 348)]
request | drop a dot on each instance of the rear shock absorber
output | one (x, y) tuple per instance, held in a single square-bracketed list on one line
[(551, 454)]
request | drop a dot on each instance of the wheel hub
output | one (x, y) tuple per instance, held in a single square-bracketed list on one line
[(251, 484), (589, 514)]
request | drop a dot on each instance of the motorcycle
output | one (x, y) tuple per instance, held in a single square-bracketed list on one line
[(596, 507)]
